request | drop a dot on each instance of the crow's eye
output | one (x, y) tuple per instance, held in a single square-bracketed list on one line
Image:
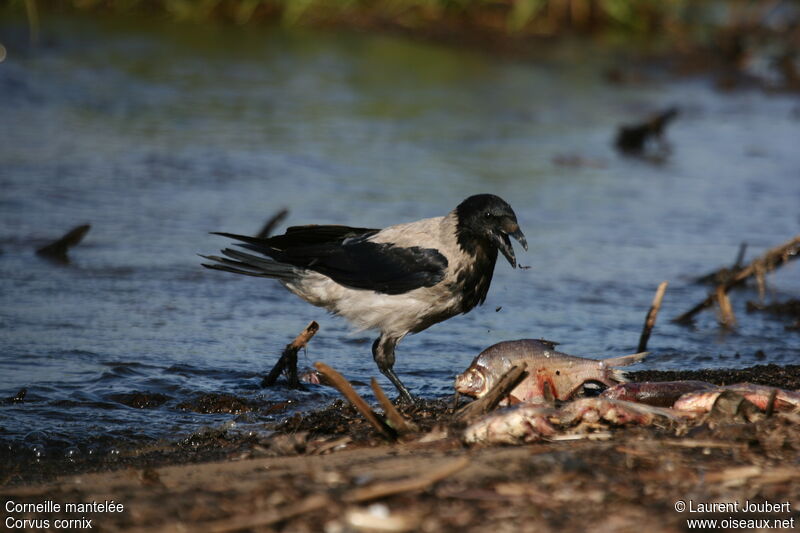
[(487, 214)]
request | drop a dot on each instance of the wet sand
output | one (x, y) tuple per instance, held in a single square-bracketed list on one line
[(329, 471)]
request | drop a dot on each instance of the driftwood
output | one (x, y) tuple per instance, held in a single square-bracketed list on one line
[(486, 403), (650, 320), (57, 250), (288, 359), (260, 519), (758, 268), (269, 226), (721, 275), (726, 316), (632, 139), (387, 488), (343, 386)]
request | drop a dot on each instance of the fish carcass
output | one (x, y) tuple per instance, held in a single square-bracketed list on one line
[(759, 395), (552, 375), (658, 393)]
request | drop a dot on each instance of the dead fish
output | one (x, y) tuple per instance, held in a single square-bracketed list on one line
[(312, 376), (758, 395), (617, 412), (551, 374), (658, 393), (526, 422), (513, 425)]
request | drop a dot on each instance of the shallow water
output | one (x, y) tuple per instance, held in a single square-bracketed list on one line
[(157, 135)]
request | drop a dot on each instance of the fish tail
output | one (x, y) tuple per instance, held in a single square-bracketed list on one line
[(625, 360), (617, 375)]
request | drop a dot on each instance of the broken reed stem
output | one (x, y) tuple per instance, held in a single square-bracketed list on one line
[(388, 488), (650, 319), (264, 518), (344, 387), (483, 405), (269, 225), (726, 316), (739, 257), (767, 262), (396, 420), (288, 359)]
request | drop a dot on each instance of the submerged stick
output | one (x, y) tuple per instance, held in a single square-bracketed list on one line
[(767, 262), (57, 250), (396, 420), (269, 225), (650, 319), (343, 386), (388, 488), (723, 274), (288, 359), (483, 405), (726, 316)]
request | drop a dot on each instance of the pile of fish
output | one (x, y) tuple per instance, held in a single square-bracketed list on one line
[(554, 376)]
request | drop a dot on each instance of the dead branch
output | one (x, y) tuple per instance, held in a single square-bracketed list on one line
[(726, 317), (344, 387), (483, 405), (396, 420), (650, 320), (57, 250), (264, 518), (767, 262), (721, 275), (269, 225), (388, 488), (288, 359)]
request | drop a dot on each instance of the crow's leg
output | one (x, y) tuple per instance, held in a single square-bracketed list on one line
[(383, 353)]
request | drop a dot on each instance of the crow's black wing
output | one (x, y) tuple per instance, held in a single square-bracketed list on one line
[(380, 267), (345, 255)]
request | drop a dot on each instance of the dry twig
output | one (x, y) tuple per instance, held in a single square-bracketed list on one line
[(343, 386), (483, 405), (388, 488), (264, 518), (650, 320), (767, 262), (396, 420)]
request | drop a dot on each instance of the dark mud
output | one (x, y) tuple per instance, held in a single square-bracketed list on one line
[(784, 377)]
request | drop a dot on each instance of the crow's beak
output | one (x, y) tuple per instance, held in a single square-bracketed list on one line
[(510, 228)]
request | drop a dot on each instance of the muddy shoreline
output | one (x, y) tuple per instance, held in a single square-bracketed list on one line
[(320, 468)]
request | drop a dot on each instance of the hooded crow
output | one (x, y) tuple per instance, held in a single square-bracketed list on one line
[(399, 280)]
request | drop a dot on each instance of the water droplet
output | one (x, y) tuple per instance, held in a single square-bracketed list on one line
[(72, 453), (38, 450)]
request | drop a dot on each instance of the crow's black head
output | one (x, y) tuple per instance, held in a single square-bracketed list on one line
[(487, 219)]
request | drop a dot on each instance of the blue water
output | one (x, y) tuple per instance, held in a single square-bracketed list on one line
[(158, 134)]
